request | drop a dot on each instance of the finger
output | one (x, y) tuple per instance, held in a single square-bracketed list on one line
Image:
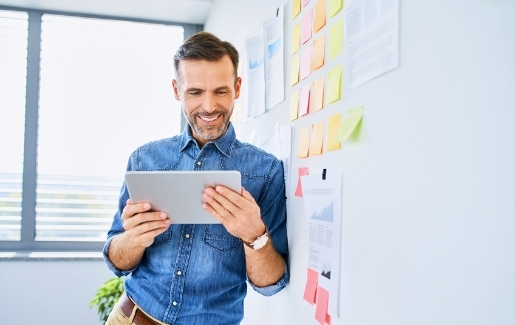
[(219, 204), (239, 201), (131, 209), (212, 211)]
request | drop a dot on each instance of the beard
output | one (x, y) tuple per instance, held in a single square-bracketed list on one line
[(209, 132)]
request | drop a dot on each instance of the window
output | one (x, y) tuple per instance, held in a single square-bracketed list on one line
[(103, 87)]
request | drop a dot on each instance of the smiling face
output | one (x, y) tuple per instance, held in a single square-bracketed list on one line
[(207, 91)]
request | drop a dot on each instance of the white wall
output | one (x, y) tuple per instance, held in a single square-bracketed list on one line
[(428, 231), (50, 292)]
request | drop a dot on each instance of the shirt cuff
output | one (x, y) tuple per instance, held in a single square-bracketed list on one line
[(274, 288), (110, 265)]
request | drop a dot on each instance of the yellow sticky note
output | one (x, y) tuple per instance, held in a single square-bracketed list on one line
[(294, 105), (318, 53), (295, 70), (335, 121), (295, 39), (334, 84), (336, 39), (317, 139), (295, 8), (319, 21), (353, 118), (334, 7), (317, 98), (303, 149)]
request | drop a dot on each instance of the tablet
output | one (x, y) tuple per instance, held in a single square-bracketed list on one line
[(179, 193)]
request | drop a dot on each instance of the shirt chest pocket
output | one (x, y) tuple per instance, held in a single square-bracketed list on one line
[(218, 238)]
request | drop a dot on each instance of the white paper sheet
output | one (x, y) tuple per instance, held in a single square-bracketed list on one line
[(273, 36), (371, 39), (322, 206), (256, 76)]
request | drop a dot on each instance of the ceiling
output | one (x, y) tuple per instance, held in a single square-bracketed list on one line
[(182, 11)]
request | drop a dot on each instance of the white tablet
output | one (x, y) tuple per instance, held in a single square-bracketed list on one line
[(179, 193)]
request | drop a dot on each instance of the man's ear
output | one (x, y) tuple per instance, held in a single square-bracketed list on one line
[(176, 91), (237, 88)]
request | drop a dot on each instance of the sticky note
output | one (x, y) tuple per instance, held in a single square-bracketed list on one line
[(295, 39), (294, 105), (317, 139), (303, 171), (295, 8), (295, 70), (312, 279), (318, 53), (334, 7), (317, 96), (303, 149), (305, 62), (322, 301), (333, 126), (304, 100), (305, 2), (352, 119), (334, 84), (319, 20), (306, 26), (336, 39)]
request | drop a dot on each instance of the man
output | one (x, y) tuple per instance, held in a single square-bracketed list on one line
[(197, 274)]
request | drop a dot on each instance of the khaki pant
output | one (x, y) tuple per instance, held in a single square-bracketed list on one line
[(117, 317)]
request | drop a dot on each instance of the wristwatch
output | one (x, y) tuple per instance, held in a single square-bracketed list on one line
[(260, 242)]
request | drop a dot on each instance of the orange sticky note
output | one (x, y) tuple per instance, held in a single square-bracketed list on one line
[(317, 139), (295, 38), (317, 98), (335, 121), (294, 105), (311, 282), (322, 302), (303, 150), (319, 20), (303, 171), (295, 70), (304, 100), (295, 8), (306, 26), (318, 53), (305, 62)]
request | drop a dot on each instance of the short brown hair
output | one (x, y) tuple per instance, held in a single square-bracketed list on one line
[(205, 46)]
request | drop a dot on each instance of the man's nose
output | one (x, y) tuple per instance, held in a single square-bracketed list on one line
[(209, 104)]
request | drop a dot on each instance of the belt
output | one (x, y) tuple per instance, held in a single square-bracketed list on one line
[(127, 306)]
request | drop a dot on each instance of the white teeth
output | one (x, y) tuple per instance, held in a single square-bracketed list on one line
[(209, 119)]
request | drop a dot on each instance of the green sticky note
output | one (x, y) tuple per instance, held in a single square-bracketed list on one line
[(353, 118), (334, 84), (336, 39), (334, 7)]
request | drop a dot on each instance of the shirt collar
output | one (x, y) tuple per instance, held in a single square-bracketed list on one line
[(224, 144)]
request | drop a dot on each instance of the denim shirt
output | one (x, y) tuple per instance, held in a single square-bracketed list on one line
[(194, 273)]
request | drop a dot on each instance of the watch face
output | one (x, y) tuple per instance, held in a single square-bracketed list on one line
[(260, 242)]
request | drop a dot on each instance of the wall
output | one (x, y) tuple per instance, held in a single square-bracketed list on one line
[(428, 191), (50, 292)]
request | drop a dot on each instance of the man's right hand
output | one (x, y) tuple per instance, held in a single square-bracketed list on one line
[(141, 227)]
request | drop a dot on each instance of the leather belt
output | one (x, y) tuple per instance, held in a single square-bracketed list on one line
[(140, 318)]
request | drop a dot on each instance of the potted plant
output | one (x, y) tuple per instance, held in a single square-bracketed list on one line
[(106, 297)]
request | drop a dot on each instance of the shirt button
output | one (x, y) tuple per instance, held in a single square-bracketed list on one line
[(187, 236), (174, 303), (179, 273), (199, 163)]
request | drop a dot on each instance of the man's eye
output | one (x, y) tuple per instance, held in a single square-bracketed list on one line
[(194, 93), (221, 92)]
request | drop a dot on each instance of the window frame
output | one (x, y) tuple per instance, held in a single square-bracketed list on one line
[(27, 240)]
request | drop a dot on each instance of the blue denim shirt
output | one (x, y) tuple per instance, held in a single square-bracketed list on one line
[(196, 274)]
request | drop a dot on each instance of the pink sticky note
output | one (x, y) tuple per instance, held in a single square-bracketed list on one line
[(322, 303), (304, 100), (305, 2), (311, 286), (305, 62), (306, 24), (303, 171)]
